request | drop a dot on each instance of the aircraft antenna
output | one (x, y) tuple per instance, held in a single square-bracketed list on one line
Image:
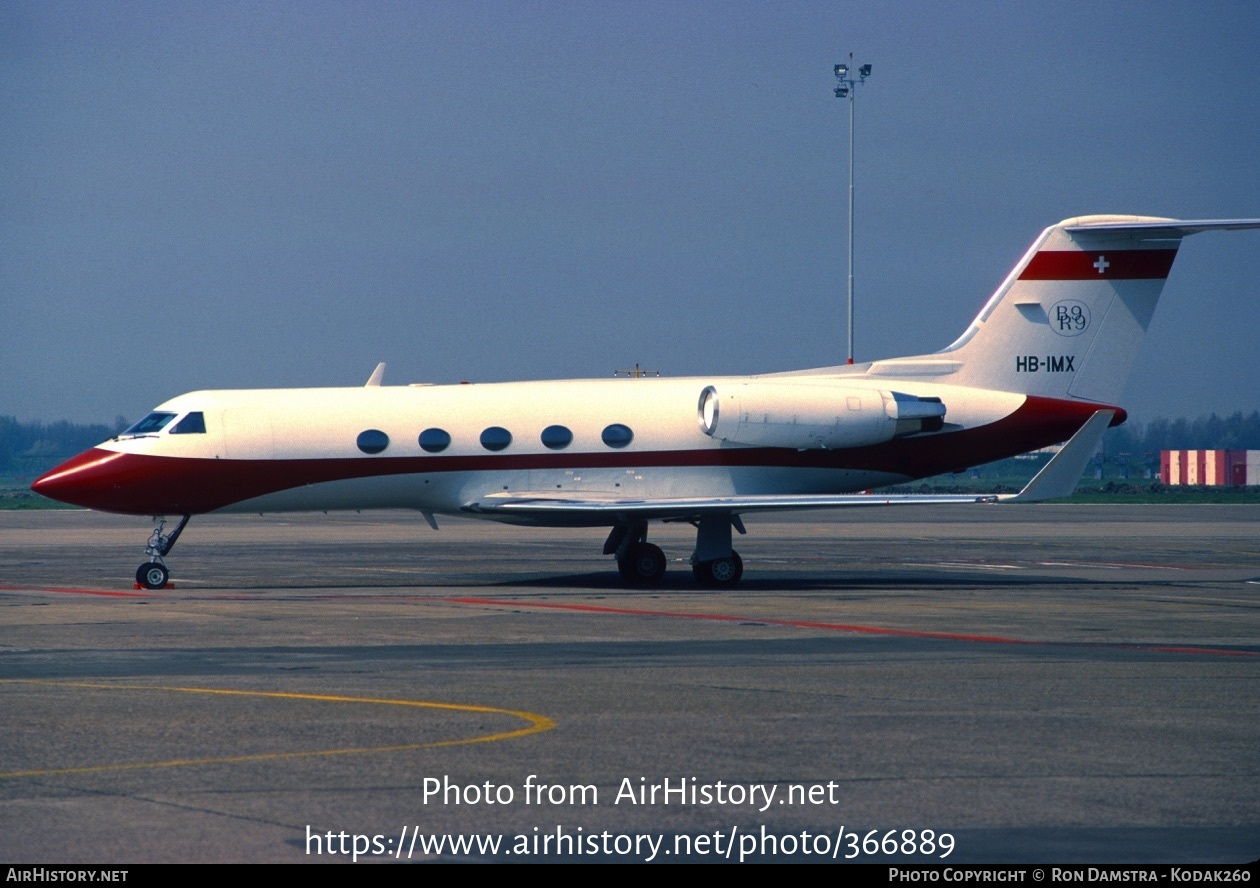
[(637, 373)]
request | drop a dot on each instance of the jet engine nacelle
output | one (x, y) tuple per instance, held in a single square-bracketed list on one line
[(812, 417)]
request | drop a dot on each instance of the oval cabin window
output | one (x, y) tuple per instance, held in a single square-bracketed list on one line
[(556, 437), (496, 438), (372, 441), (617, 435), (434, 440)]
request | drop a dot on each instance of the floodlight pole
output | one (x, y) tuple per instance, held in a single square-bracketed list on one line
[(846, 87)]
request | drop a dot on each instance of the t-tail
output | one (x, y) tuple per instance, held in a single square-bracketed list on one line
[(1068, 320)]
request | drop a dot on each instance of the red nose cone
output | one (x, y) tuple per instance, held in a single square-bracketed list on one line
[(94, 479), (144, 484)]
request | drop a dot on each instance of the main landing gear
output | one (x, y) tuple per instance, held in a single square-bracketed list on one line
[(638, 561), (719, 571), (714, 562), (642, 563), (154, 574)]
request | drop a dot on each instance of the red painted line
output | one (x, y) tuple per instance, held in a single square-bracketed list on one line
[(845, 627), (1146, 564), (64, 591), (727, 618), (724, 618)]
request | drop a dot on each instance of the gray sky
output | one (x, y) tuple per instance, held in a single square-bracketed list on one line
[(224, 195)]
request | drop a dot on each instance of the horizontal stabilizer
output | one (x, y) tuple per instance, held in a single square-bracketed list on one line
[(1154, 227)]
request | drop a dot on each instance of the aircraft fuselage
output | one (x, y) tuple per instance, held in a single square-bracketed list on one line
[(427, 447)]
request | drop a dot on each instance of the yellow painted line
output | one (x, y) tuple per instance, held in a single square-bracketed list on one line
[(536, 725)]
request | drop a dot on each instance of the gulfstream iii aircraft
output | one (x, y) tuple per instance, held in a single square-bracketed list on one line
[(1044, 362)]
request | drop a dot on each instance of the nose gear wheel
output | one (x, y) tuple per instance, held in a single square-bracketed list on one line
[(154, 574)]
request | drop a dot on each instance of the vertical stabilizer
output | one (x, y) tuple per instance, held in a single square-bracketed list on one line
[(1069, 319)]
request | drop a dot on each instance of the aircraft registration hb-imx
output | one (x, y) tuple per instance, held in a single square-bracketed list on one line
[(1044, 362)]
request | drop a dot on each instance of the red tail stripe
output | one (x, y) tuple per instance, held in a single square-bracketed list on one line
[(1075, 265)]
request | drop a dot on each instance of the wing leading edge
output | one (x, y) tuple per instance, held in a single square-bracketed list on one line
[(1058, 478)]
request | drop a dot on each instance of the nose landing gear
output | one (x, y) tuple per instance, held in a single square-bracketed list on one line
[(154, 574)]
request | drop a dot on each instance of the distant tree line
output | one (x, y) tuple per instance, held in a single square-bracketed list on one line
[(30, 448), (1236, 432)]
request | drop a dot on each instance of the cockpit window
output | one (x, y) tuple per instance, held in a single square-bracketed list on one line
[(151, 424), (192, 424)]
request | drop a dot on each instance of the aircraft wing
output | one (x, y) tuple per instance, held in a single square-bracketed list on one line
[(543, 506), (1058, 478)]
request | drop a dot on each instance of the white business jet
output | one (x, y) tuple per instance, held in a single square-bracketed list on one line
[(1044, 362)]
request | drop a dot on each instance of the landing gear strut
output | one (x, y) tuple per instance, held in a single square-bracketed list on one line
[(715, 563), (154, 574)]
